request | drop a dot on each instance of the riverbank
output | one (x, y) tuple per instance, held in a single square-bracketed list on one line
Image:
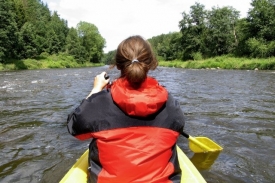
[(224, 62), (67, 61), (46, 62)]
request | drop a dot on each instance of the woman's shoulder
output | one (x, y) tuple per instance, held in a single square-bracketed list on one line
[(172, 100)]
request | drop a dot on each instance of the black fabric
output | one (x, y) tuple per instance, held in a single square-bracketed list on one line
[(99, 112), (94, 164), (176, 176)]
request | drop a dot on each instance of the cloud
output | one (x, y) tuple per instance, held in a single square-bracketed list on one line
[(119, 19)]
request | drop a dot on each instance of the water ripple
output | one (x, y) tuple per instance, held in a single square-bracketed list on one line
[(234, 108)]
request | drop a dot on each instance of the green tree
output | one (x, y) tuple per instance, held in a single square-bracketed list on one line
[(193, 28), (59, 30), (108, 58), (221, 36), (74, 47), (241, 35), (37, 17), (155, 42), (8, 30), (261, 28), (91, 40), (53, 43), (72, 41), (46, 39), (167, 46), (41, 35), (20, 13), (32, 9), (27, 41)]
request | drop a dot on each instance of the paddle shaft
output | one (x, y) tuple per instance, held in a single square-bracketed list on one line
[(185, 134), (204, 147)]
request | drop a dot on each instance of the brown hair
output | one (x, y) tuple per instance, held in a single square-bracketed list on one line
[(135, 48)]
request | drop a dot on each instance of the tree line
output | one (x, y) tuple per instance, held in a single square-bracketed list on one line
[(220, 31), (28, 29)]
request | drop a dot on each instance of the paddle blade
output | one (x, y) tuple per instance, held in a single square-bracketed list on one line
[(203, 145), (204, 161)]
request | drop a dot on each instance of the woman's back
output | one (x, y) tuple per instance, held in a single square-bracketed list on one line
[(134, 124)]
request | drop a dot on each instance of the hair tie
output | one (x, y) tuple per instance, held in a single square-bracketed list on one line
[(135, 60)]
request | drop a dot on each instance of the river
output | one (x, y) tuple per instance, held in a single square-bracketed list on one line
[(234, 108)]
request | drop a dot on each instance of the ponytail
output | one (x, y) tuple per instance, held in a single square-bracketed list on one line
[(134, 57), (136, 73)]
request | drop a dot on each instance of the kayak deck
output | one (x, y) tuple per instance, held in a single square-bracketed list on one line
[(78, 172)]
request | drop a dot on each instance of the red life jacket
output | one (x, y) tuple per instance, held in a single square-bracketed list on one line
[(145, 100), (134, 131)]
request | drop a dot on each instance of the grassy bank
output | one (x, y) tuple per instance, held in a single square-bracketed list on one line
[(67, 61), (224, 62), (46, 62)]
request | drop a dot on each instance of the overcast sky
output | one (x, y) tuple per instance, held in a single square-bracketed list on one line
[(119, 19)]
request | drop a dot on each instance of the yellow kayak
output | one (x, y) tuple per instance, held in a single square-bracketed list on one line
[(78, 172)]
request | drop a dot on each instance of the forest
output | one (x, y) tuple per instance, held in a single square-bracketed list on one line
[(30, 33), (29, 30), (219, 31)]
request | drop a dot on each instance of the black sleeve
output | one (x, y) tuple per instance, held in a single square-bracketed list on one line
[(174, 109), (83, 119)]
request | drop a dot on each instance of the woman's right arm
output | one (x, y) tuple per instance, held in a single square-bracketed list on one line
[(79, 122)]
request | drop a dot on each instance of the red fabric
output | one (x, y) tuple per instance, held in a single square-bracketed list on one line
[(136, 155), (84, 136), (145, 100)]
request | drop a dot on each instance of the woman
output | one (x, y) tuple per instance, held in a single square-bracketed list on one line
[(134, 123)]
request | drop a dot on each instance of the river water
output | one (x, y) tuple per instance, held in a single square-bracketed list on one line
[(234, 108)]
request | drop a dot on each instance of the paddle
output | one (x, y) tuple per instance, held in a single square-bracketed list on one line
[(205, 151), (201, 144)]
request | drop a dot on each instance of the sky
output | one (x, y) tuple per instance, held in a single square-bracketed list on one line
[(116, 20)]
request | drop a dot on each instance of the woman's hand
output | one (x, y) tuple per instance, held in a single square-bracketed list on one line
[(99, 83)]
